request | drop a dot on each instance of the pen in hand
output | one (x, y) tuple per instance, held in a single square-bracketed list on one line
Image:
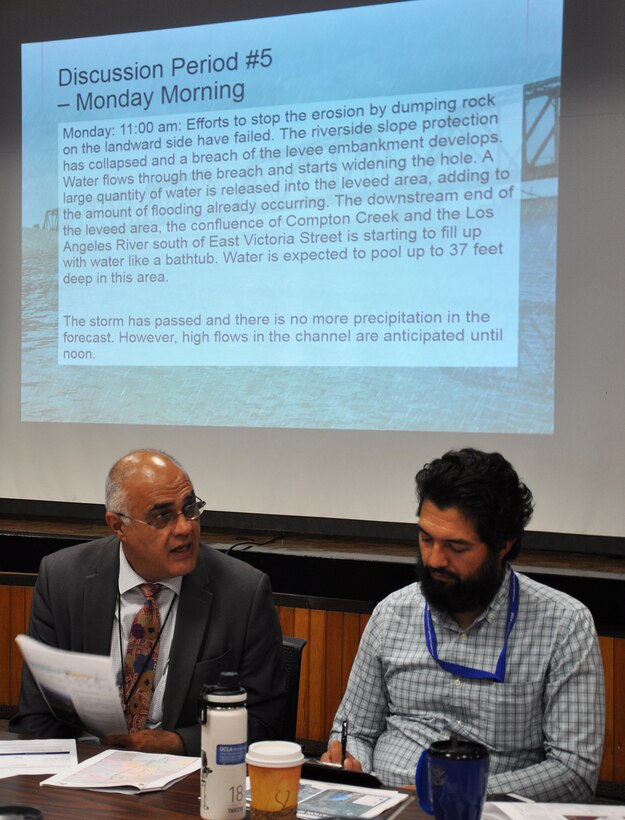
[(344, 728)]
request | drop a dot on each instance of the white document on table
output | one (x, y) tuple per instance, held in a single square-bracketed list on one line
[(317, 799), (551, 811), (36, 756), (126, 772), (75, 684)]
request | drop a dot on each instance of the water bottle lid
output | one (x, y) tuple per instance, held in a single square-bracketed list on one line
[(226, 690)]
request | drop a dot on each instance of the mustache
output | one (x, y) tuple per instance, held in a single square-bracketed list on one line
[(440, 573), (423, 571)]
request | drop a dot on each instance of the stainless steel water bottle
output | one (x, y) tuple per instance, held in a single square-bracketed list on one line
[(224, 743)]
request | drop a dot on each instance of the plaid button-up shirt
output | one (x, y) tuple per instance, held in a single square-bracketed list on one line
[(543, 726)]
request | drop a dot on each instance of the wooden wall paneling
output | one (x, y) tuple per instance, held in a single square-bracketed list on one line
[(20, 610), (286, 615), (351, 639), (619, 710), (316, 690), (333, 667), (14, 614), (6, 639), (333, 639), (607, 655)]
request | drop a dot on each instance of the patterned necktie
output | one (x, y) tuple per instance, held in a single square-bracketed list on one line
[(139, 664)]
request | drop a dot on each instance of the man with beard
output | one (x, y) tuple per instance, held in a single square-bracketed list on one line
[(477, 651)]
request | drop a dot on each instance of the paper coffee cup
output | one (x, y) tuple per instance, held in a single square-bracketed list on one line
[(274, 767)]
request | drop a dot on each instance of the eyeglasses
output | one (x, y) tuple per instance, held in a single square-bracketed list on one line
[(164, 520)]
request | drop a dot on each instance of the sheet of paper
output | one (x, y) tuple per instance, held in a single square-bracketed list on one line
[(36, 756), (319, 799), (76, 684), (331, 799), (552, 811), (126, 772)]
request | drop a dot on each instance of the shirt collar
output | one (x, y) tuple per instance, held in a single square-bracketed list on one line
[(129, 579)]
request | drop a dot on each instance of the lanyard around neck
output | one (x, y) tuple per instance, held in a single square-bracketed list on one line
[(499, 674)]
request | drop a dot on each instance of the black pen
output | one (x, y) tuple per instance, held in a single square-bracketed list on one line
[(344, 729)]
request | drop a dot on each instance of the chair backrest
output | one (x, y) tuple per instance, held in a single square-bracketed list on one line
[(292, 654)]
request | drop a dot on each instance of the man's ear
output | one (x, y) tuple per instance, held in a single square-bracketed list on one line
[(506, 548), (116, 523)]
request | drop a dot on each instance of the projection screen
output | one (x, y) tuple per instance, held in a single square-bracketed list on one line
[(308, 252)]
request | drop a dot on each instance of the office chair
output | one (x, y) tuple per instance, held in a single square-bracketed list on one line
[(292, 654)]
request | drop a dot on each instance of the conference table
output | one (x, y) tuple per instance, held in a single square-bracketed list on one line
[(180, 800)]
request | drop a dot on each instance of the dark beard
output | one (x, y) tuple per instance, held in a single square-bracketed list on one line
[(458, 596)]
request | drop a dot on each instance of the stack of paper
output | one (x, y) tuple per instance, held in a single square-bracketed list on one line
[(36, 756), (126, 772), (551, 811)]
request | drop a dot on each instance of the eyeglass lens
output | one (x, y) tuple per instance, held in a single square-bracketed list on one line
[(190, 511)]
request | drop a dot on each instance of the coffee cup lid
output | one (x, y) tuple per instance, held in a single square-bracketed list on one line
[(458, 750), (274, 754)]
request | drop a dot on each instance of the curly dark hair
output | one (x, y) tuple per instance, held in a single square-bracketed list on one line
[(485, 488)]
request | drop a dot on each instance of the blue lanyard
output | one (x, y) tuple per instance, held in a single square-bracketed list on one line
[(499, 674)]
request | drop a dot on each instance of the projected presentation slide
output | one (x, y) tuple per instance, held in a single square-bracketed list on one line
[(341, 219)]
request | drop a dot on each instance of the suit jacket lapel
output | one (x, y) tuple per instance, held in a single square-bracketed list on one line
[(99, 601), (191, 624)]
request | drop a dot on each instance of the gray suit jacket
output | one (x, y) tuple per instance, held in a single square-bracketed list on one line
[(226, 621)]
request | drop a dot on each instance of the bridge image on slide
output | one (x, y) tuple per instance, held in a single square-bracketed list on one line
[(51, 221)]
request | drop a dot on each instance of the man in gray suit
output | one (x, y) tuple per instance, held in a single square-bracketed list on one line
[(216, 613)]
